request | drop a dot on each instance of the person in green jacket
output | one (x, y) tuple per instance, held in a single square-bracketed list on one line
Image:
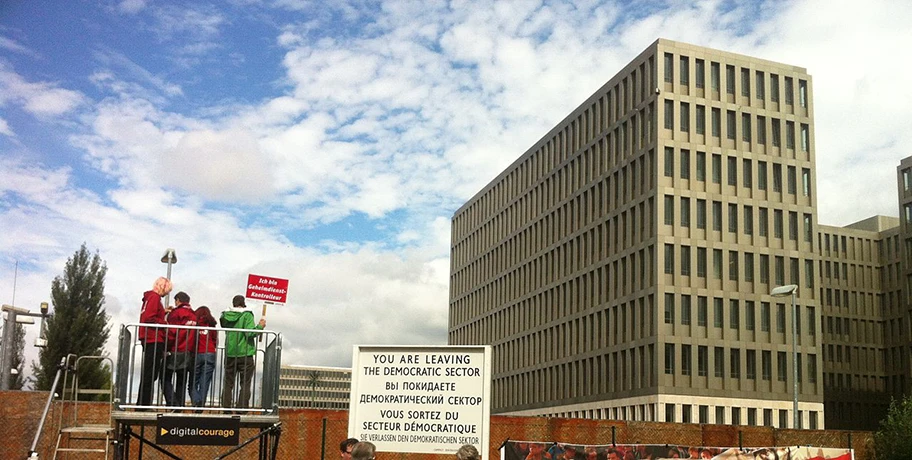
[(240, 349)]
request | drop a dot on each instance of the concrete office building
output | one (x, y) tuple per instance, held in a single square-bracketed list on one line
[(314, 387), (622, 266)]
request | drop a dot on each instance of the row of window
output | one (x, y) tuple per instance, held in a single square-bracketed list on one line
[(768, 177), (735, 367), (699, 208), (737, 271), (684, 304), (760, 81)]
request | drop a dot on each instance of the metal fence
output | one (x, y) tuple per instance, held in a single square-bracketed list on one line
[(131, 361)]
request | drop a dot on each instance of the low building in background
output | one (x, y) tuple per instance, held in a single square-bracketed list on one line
[(314, 387)]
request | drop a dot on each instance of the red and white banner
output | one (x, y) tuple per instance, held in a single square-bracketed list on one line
[(267, 289)]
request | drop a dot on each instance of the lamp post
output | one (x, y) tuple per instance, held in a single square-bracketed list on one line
[(169, 258), (785, 291)]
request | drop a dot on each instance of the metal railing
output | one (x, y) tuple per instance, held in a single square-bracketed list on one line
[(180, 370)]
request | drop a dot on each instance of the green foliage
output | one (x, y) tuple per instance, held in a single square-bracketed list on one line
[(79, 323), (16, 382), (894, 439)]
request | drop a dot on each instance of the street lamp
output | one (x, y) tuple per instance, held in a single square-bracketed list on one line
[(785, 291), (169, 258)]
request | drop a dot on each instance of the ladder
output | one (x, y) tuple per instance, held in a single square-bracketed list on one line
[(91, 434)]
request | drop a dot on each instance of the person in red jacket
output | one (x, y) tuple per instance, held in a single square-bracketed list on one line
[(180, 348), (206, 344), (152, 338)]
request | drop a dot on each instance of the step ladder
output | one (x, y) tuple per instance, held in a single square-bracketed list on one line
[(85, 435)]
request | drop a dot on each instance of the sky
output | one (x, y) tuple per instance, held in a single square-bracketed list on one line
[(330, 143)]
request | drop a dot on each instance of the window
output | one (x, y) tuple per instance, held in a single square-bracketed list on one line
[(686, 357), (761, 130), (685, 212), (685, 262), (791, 180), (714, 75), (732, 170), (717, 216), (718, 318), (805, 138), (700, 72), (716, 122), (701, 263), (746, 127), (761, 175), (669, 162), (718, 362), (745, 82), (747, 173), (774, 87), (735, 363), (701, 119), (789, 91), (732, 218), (777, 177), (734, 314), (748, 222), (669, 358), (777, 223), (780, 317), (685, 308), (685, 70), (750, 360), (669, 259), (701, 308), (782, 367), (766, 365), (749, 315), (702, 361), (730, 121), (761, 86), (669, 114), (701, 166), (777, 135), (764, 316), (685, 164), (717, 264), (790, 134), (669, 308), (701, 213), (685, 117), (805, 181), (717, 168), (669, 210), (669, 68)]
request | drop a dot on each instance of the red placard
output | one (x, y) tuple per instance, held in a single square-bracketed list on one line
[(265, 288)]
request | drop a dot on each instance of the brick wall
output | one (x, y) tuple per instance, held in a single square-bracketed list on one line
[(306, 434)]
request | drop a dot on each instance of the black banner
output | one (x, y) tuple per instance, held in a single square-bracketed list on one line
[(198, 431)]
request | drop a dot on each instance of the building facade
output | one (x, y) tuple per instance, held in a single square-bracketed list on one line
[(314, 387), (622, 266)]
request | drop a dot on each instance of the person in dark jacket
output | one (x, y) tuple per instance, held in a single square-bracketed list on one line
[(179, 346), (152, 338), (240, 348)]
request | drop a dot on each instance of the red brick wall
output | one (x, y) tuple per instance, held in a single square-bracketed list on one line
[(306, 433)]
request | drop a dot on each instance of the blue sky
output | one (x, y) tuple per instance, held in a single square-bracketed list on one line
[(330, 142)]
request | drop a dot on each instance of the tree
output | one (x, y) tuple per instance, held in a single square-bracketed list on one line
[(78, 324), (17, 381), (892, 441), (313, 378)]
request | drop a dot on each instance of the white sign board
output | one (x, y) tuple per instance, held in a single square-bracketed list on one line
[(421, 399)]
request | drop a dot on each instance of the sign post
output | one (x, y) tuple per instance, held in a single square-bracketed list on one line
[(421, 399)]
